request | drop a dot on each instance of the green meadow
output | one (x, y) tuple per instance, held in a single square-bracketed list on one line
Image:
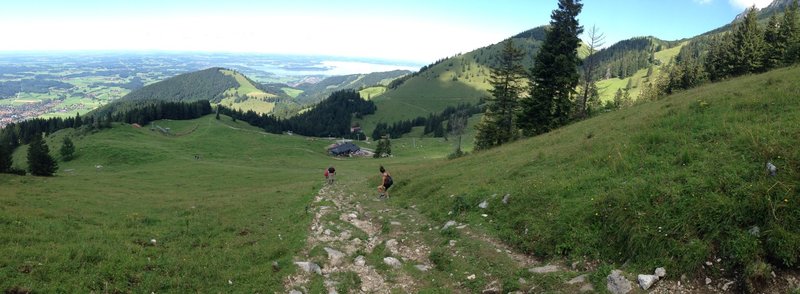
[(223, 217)]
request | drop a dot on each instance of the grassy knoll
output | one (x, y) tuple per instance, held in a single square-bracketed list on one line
[(255, 96), (671, 183), (372, 92), (224, 217)]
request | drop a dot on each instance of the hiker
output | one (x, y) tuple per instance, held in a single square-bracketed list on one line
[(386, 183), (330, 175)]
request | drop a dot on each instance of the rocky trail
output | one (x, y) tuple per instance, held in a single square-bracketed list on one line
[(360, 244)]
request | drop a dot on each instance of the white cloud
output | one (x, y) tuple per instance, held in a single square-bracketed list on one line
[(703, 2), (748, 3)]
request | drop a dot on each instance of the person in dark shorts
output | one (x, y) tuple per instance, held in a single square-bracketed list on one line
[(330, 175), (386, 183)]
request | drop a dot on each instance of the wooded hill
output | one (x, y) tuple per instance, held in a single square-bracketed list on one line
[(313, 93)]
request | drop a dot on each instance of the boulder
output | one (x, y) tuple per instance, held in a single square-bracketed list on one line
[(617, 283), (646, 281)]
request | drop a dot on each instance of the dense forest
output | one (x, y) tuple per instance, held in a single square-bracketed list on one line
[(11, 88), (331, 117)]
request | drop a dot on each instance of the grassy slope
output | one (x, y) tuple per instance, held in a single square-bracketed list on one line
[(246, 88), (449, 83), (672, 183), (224, 217), (608, 88)]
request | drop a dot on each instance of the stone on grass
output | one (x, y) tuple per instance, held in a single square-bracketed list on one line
[(452, 243), (295, 292), (646, 281), (545, 269), (617, 283), (422, 267), (309, 267), (360, 261), (393, 262), (449, 224), (506, 198), (577, 280), (484, 204), (586, 288), (661, 272), (334, 255), (493, 288), (772, 169)]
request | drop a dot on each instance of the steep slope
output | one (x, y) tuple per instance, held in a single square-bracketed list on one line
[(313, 93), (674, 183), (463, 78)]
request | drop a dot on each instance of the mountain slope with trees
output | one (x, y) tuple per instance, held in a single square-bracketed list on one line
[(313, 93)]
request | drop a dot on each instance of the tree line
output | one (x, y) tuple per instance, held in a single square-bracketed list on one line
[(437, 124), (32, 130), (745, 49), (331, 117)]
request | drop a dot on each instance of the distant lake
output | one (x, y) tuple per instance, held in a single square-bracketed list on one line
[(328, 68)]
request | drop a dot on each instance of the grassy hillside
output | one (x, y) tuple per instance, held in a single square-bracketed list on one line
[(223, 217), (672, 183), (246, 95), (456, 80)]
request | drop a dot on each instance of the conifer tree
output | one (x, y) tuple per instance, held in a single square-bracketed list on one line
[(748, 45), (776, 45), (5, 157), (555, 72), (790, 33), (596, 40), (499, 116), (40, 163), (67, 149)]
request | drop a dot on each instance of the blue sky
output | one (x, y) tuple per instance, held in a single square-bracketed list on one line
[(412, 30)]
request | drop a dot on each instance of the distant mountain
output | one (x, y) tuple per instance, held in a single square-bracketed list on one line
[(217, 85), (315, 92)]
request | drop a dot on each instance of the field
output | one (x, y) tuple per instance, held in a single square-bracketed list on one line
[(292, 92), (225, 216), (372, 92)]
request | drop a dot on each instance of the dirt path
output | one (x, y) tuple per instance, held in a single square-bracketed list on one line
[(345, 233)]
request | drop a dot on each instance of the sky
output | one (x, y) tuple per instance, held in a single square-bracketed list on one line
[(419, 31)]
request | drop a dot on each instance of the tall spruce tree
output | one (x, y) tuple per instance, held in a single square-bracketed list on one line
[(40, 163), (499, 116), (5, 157), (554, 75), (748, 45), (776, 45), (790, 33)]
